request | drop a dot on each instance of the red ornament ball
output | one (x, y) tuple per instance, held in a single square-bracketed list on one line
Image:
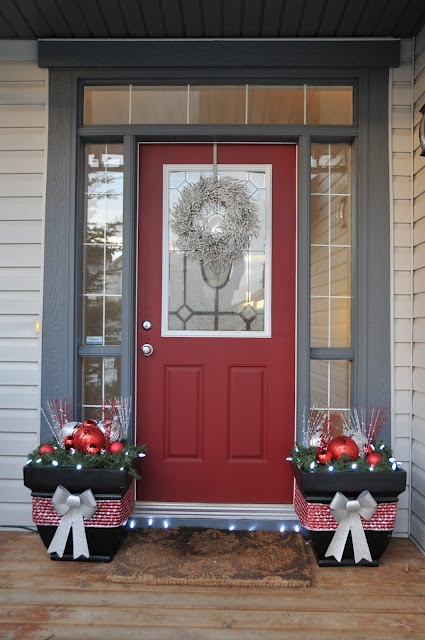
[(343, 445), (89, 437), (373, 458), (46, 448), (116, 446), (93, 448), (89, 423), (68, 442), (324, 456)]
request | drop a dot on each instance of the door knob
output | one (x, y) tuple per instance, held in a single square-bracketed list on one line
[(146, 324), (147, 350)]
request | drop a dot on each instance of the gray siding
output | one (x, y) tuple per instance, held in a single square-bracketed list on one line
[(23, 144), (417, 526)]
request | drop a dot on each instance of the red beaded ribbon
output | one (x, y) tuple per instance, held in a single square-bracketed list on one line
[(317, 516), (109, 513)]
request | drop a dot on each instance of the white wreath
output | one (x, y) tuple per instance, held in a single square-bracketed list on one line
[(191, 217)]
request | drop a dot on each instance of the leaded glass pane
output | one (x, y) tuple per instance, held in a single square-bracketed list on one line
[(106, 105), (219, 297), (330, 384), (275, 105), (329, 105), (102, 251), (158, 105), (330, 251), (101, 382), (217, 105)]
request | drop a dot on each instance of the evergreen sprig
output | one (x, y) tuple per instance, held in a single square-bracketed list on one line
[(67, 458), (303, 457)]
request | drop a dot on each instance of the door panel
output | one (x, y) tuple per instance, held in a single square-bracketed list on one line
[(216, 409)]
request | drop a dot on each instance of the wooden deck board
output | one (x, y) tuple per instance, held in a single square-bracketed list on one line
[(43, 600)]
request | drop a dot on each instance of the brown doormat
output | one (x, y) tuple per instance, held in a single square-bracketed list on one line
[(212, 557)]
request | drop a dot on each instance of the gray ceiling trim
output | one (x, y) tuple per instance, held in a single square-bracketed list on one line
[(18, 50), (282, 54)]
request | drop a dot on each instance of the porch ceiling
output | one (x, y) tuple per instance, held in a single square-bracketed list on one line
[(33, 19)]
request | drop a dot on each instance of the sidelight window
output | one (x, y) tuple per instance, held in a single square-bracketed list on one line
[(330, 276)]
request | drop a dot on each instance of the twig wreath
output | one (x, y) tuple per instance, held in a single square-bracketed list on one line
[(191, 215)]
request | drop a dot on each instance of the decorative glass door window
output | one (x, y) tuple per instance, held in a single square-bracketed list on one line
[(221, 297)]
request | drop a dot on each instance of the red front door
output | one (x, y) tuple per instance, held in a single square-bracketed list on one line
[(216, 407)]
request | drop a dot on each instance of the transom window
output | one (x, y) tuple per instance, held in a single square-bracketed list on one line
[(240, 104)]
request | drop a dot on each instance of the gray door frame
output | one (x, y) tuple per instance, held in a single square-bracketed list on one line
[(62, 347)]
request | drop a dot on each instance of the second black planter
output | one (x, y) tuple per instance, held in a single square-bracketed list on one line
[(315, 491), (113, 491)]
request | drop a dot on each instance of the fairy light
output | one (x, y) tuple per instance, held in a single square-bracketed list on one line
[(232, 527), (141, 455), (166, 524), (38, 460), (28, 462), (381, 447), (394, 466), (330, 468), (79, 466), (354, 465), (297, 528), (392, 460), (282, 528), (371, 469), (132, 524), (121, 468), (289, 459), (150, 522), (312, 464), (55, 463)]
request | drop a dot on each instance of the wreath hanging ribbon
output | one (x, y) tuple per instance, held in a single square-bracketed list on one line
[(72, 509), (347, 513), (191, 215)]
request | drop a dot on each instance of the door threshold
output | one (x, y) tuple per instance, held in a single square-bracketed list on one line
[(279, 517)]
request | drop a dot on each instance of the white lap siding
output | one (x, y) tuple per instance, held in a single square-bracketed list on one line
[(23, 147), (417, 526), (400, 141)]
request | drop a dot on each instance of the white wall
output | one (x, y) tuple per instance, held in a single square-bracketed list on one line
[(23, 148), (400, 143), (418, 396)]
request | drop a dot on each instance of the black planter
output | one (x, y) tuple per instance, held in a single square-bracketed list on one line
[(113, 492), (315, 491)]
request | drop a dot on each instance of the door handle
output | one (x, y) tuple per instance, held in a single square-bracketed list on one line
[(147, 350)]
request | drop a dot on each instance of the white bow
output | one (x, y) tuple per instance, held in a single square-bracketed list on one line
[(347, 513), (72, 509)]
